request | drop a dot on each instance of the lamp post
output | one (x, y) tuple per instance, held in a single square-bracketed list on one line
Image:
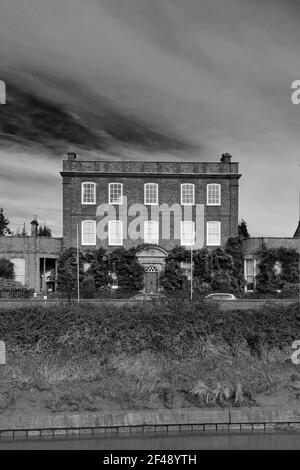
[(191, 272), (78, 289)]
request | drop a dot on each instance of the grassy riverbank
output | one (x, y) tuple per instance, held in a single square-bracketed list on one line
[(91, 358)]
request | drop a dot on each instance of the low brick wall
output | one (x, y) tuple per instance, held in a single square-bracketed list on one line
[(181, 416)]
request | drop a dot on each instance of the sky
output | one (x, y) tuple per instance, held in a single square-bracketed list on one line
[(181, 80)]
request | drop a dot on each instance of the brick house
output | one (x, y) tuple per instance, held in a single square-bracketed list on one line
[(160, 204), (151, 205)]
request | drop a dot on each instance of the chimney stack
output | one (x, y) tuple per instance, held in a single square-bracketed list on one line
[(34, 226), (226, 158), (71, 156)]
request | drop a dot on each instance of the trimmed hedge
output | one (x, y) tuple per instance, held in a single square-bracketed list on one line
[(171, 328)]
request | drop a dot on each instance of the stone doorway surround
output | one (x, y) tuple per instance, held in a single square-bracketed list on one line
[(152, 256)]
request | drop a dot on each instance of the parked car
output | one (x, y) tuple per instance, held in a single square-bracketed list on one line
[(216, 296)]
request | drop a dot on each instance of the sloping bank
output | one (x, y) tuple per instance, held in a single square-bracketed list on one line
[(90, 359)]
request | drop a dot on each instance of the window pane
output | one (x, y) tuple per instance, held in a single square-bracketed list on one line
[(151, 193), (249, 267), (187, 194), (88, 193), (213, 233), (115, 232), (214, 194), (187, 233), (151, 231), (115, 193), (88, 232), (19, 269)]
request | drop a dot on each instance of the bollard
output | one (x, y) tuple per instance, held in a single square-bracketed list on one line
[(2, 353)]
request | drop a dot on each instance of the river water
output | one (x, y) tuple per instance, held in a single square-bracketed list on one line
[(272, 441)]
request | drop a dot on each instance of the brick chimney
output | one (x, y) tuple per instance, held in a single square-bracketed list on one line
[(34, 225), (71, 156), (226, 158)]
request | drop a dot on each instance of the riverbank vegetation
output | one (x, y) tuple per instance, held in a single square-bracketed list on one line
[(88, 357)]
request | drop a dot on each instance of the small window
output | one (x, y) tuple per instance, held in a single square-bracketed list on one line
[(116, 193), (187, 233), (151, 194), (88, 232), (187, 194), (151, 231), (214, 233), (88, 193), (213, 194), (115, 232)]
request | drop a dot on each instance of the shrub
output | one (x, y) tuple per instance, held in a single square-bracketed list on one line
[(14, 290), (88, 287), (291, 290)]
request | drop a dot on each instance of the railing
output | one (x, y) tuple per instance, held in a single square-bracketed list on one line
[(13, 434)]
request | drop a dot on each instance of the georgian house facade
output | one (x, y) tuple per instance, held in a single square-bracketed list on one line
[(107, 195), (111, 204)]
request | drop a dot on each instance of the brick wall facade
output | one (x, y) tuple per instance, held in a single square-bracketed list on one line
[(133, 175), (31, 249)]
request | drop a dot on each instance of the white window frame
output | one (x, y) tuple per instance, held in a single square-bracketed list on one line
[(147, 231), (247, 276), (209, 224), (114, 241), (155, 185), (207, 197), (82, 193), (114, 202), (83, 240), (19, 269), (185, 223), (181, 194)]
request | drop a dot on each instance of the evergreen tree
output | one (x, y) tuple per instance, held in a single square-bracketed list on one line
[(44, 231), (243, 230), (6, 269), (67, 272), (4, 224)]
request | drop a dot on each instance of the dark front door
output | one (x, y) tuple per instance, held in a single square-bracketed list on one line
[(151, 282)]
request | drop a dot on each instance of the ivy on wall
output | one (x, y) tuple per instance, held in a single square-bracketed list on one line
[(269, 279), (97, 278), (213, 270)]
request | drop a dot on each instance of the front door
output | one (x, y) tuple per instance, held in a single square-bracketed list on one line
[(151, 281)]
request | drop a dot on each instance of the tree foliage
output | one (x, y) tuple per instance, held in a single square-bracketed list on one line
[(127, 268), (4, 224), (218, 270), (67, 272), (6, 269), (97, 279), (243, 229), (44, 231)]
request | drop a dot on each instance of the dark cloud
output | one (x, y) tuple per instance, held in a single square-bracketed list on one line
[(34, 122), (159, 79)]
